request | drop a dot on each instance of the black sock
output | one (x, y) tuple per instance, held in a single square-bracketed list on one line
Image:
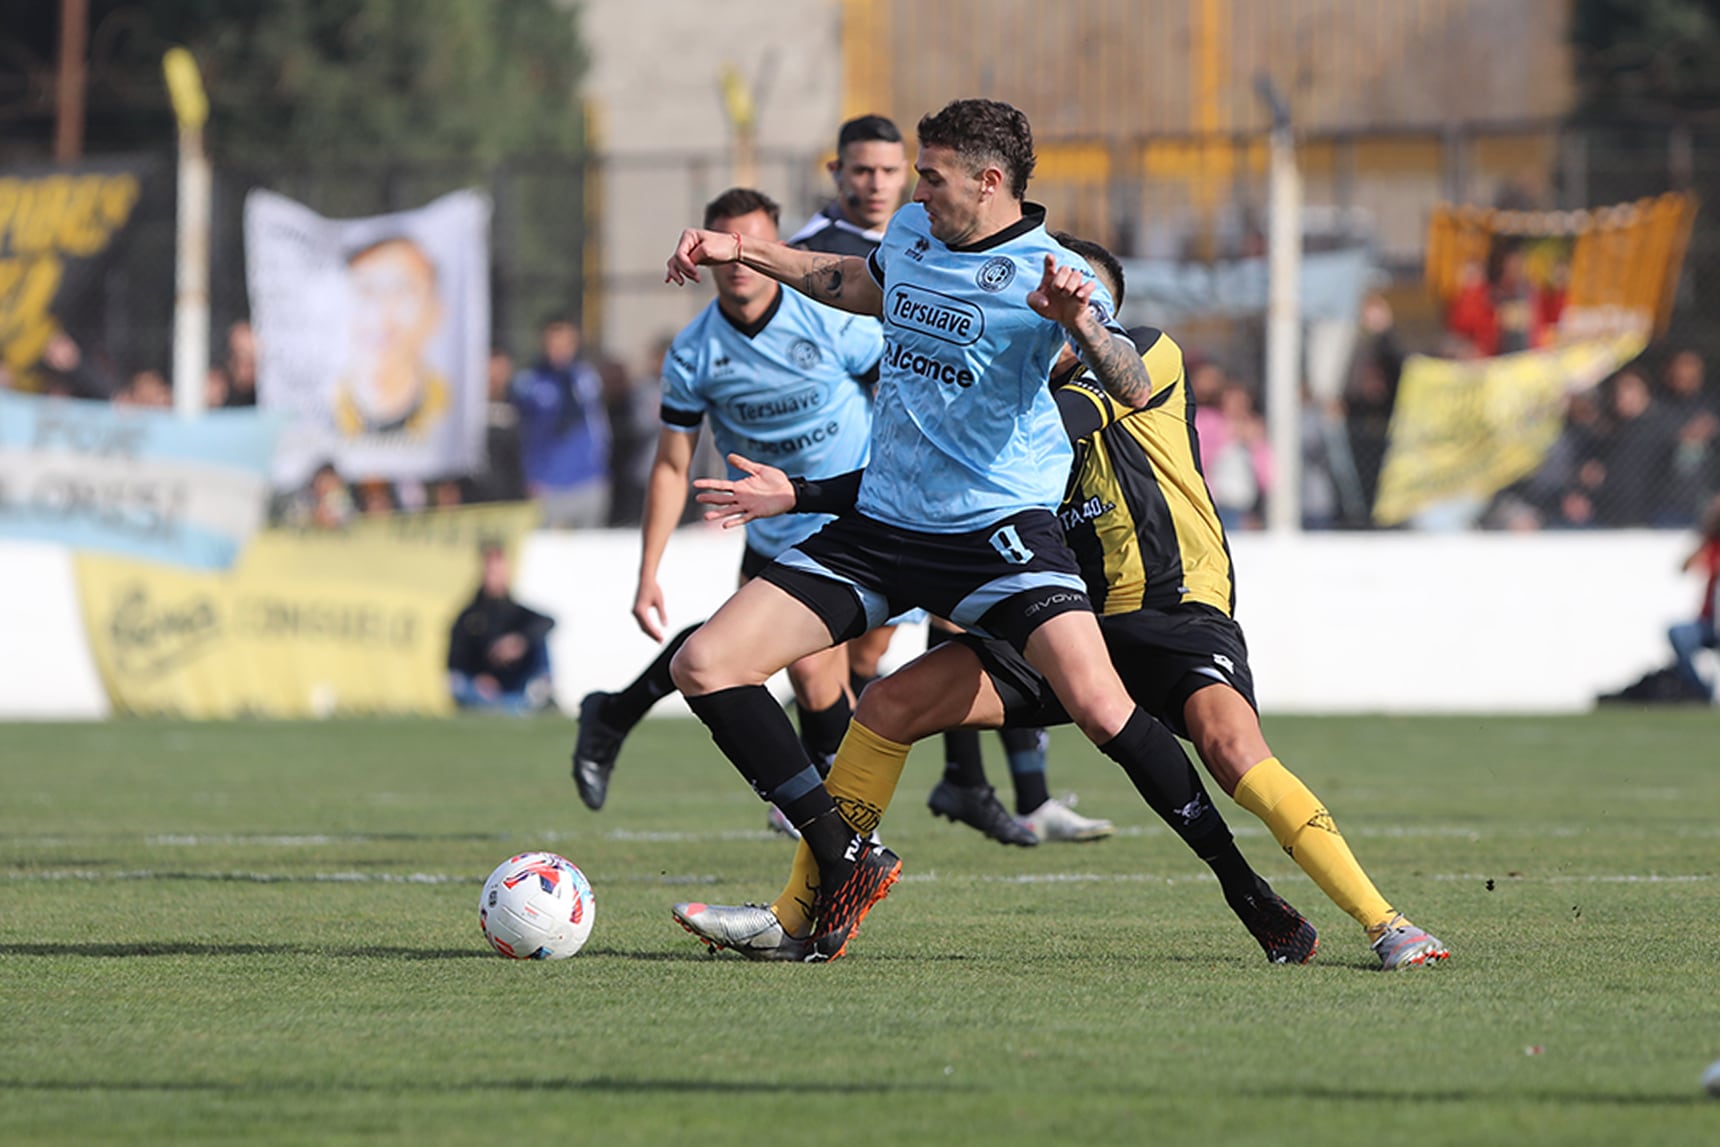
[(822, 730), (757, 737), (1235, 876), (1025, 749), (828, 837), (628, 707), (963, 764), (1161, 772), (857, 684)]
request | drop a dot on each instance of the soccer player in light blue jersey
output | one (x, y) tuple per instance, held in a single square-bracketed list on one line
[(871, 176), (955, 513), (778, 377)]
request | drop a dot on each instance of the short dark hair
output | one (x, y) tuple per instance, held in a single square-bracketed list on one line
[(738, 201), (867, 129), (1108, 267), (982, 132)]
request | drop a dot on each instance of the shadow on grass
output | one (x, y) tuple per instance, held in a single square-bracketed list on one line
[(178, 948), (608, 1084), (598, 1084), (376, 952), (1400, 1095)]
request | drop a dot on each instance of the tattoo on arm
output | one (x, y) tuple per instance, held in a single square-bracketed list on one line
[(824, 281), (1120, 367)]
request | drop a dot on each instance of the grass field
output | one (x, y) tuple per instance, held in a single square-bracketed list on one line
[(267, 933)]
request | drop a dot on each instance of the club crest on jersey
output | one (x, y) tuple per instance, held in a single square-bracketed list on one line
[(995, 273), (805, 354)]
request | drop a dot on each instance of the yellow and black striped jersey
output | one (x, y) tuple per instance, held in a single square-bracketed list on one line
[(1137, 512)]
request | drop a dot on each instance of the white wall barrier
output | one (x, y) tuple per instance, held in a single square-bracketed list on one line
[(46, 672), (1336, 623)]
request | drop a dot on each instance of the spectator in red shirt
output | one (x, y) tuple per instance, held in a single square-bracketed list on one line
[(1502, 313)]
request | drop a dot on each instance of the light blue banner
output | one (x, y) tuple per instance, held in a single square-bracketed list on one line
[(143, 483)]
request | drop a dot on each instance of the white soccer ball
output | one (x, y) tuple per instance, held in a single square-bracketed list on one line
[(537, 906), (1711, 1079)]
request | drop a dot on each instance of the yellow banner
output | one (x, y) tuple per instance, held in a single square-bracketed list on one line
[(306, 624), (1467, 429), (1618, 266), (54, 228)]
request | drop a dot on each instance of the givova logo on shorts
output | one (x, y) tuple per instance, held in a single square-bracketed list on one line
[(943, 317)]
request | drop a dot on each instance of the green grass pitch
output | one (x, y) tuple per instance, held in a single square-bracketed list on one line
[(267, 933)]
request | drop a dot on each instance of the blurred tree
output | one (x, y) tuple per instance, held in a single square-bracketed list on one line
[(314, 79), (1646, 56)]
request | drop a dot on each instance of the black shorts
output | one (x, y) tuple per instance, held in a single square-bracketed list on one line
[(1002, 581), (1164, 656), (753, 563)]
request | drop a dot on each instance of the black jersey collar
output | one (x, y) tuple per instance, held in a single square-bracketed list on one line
[(1032, 215), (751, 330)]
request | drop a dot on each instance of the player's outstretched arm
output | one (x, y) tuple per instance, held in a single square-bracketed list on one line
[(765, 492), (1063, 295), (835, 280)]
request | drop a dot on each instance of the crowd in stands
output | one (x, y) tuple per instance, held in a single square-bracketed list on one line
[(1641, 449), (576, 433)]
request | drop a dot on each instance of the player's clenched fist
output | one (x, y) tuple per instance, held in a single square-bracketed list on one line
[(1062, 293), (701, 249)]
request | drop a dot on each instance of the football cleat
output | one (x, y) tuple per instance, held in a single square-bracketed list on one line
[(594, 752), (1403, 945), (1055, 820), (846, 894), (750, 929), (1283, 933), (978, 807)]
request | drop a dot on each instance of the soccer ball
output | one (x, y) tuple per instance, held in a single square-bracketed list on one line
[(537, 906)]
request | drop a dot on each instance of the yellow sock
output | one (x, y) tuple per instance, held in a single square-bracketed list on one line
[(793, 907), (861, 782), (1303, 827)]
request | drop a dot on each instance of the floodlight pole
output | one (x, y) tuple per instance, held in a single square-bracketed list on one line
[(191, 276), (1283, 319)]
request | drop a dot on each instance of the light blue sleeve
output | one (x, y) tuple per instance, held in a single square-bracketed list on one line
[(681, 391), (859, 342)]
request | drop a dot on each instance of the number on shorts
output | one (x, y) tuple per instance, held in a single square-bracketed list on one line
[(1008, 543)]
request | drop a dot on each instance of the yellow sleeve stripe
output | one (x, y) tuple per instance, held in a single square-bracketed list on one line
[(1164, 361)]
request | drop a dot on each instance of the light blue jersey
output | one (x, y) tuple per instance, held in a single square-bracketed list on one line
[(788, 390), (965, 430)]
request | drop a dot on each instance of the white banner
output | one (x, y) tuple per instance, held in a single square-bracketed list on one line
[(373, 335)]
